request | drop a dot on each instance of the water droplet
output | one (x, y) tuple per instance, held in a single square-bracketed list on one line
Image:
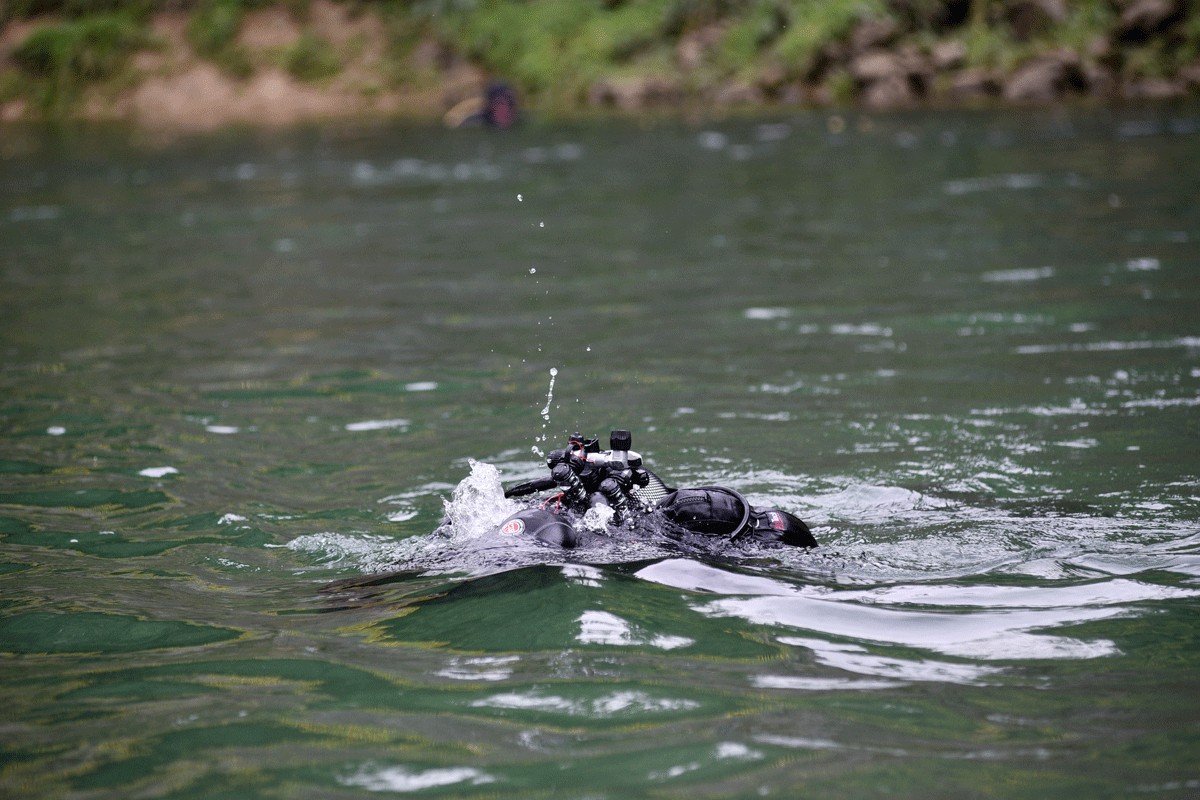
[(549, 396)]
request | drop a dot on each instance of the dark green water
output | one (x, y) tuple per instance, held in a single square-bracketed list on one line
[(242, 376)]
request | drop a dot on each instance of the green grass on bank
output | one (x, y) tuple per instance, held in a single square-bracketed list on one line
[(556, 51), (212, 31), (558, 48), (61, 58)]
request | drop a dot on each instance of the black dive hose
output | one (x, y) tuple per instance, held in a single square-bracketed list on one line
[(530, 487)]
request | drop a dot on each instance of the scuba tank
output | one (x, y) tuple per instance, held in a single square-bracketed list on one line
[(721, 512)]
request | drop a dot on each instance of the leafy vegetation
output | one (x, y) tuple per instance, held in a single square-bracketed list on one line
[(212, 31), (21, 9), (61, 58), (557, 48), (553, 48), (310, 58), (557, 52), (814, 24)]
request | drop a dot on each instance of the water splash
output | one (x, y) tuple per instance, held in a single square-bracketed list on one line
[(473, 512), (478, 505), (537, 451), (466, 542), (597, 518)]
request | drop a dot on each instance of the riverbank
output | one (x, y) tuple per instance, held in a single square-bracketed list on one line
[(203, 65)]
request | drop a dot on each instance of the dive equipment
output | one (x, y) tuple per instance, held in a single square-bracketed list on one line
[(586, 476)]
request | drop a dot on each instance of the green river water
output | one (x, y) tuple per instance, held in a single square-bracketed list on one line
[(246, 375)]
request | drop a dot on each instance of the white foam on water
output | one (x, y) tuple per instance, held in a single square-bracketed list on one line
[(860, 329), (628, 702), (803, 684), (867, 503), (1190, 342), (993, 182), (1095, 593), (402, 779), (1162, 402), (338, 549), (983, 623), (1145, 264), (1076, 407), (601, 627), (1079, 444), (723, 751), (798, 742), (766, 313), (377, 424), (158, 472), (479, 668), (1017, 275), (853, 658), (736, 751), (982, 635), (673, 772)]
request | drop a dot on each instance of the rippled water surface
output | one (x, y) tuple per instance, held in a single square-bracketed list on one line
[(245, 376)]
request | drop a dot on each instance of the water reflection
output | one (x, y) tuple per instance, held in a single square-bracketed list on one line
[(975, 630), (402, 779)]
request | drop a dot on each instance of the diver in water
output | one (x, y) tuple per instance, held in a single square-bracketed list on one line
[(495, 108), (582, 477)]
